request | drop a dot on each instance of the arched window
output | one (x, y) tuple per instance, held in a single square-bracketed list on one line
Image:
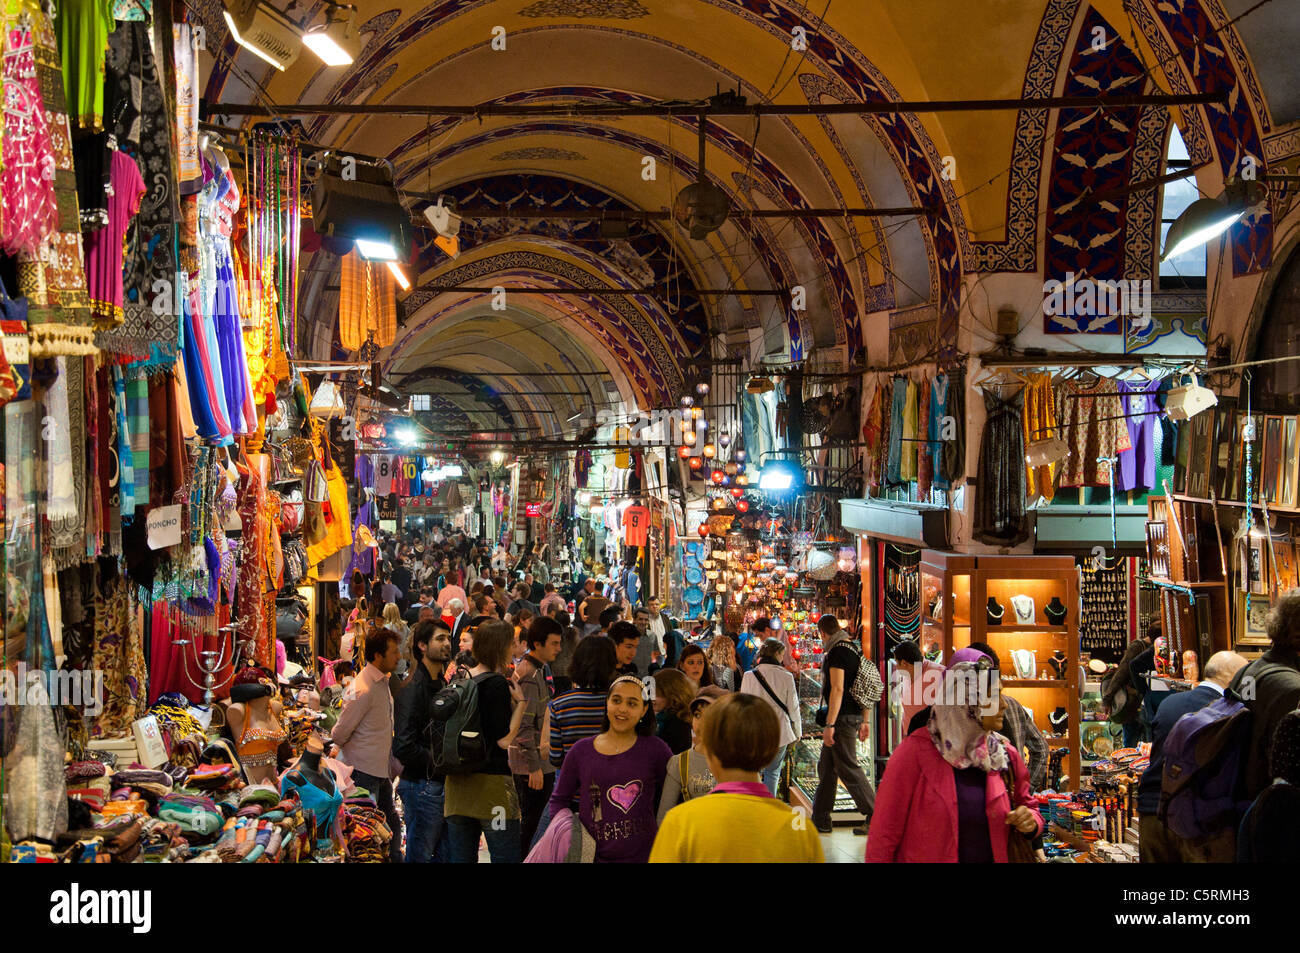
[(1188, 269)]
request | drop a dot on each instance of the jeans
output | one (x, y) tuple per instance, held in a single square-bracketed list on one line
[(426, 833), (463, 833), (382, 791), (771, 775), (839, 762), (531, 805)]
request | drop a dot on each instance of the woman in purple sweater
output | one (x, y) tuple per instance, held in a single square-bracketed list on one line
[(616, 777)]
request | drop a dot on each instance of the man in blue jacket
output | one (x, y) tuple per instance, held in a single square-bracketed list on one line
[(747, 649), (1156, 843)]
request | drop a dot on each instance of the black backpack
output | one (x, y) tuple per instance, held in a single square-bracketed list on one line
[(456, 741)]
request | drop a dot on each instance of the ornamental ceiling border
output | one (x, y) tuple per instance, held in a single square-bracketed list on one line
[(656, 357), (823, 243), (863, 82), (779, 266), (558, 304)]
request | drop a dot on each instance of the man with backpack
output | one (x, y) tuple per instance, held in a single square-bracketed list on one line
[(843, 705), (421, 786), (1270, 687), (1156, 843), (482, 718)]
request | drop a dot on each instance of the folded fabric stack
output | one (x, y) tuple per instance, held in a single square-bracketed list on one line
[(85, 770), (144, 780), (246, 840), (161, 841), (193, 815), (365, 832), (124, 806), (93, 791), (123, 846)]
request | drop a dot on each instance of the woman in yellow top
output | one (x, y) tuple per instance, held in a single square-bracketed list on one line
[(740, 822)]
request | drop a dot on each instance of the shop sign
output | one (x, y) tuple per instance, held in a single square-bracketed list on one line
[(387, 507), (532, 510), (163, 527)]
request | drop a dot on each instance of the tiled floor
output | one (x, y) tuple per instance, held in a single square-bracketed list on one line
[(842, 846)]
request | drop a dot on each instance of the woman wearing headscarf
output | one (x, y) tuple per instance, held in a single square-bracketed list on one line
[(1270, 831), (957, 791)]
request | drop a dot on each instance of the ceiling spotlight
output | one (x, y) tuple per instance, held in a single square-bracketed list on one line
[(376, 251), (1206, 218), (336, 41)]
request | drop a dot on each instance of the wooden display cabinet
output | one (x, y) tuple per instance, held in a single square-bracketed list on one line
[(967, 582), (1195, 561)]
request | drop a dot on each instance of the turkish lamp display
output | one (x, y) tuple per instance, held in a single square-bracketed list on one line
[(687, 401), (684, 451), (696, 463), (702, 389), (1045, 452), (710, 451), (336, 41), (1208, 218), (724, 440)]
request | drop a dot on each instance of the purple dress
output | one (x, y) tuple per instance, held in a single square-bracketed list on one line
[(616, 794), (1137, 466)]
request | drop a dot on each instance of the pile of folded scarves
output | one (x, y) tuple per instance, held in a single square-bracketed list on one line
[(365, 832), (200, 814)]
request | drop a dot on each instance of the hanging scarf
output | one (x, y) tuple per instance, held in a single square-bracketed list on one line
[(62, 509), (956, 730)]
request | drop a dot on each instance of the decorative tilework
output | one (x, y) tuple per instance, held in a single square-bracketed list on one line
[(611, 9), (538, 153)]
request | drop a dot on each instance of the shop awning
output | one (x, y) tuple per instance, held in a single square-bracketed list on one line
[(1074, 529), (897, 519)]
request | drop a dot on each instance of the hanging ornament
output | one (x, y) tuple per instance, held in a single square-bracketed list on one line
[(684, 451), (731, 468), (688, 438), (742, 479), (724, 440), (737, 492), (710, 451), (739, 455), (701, 424), (696, 463), (717, 477), (697, 413)]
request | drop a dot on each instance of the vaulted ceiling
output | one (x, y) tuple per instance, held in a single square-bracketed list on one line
[(547, 358)]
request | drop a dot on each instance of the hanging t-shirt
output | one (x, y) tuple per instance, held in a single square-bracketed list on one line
[(383, 475), (636, 526)]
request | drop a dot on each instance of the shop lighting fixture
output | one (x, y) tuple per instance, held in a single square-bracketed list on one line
[(732, 469), (696, 463), (684, 450), (336, 41), (737, 492), (697, 413), (717, 477), (264, 31), (724, 440), (498, 457), (405, 437), (688, 439), (702, 424), (399, 275), (740, 456), (703, 529), (780, 475), (702, 388), (742, 506), (1187, 400), (1207, 218), (376, 251), (1045, 452), (687, 401), (710, 451)]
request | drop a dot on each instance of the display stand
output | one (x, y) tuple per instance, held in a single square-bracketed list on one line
[(1188, 557), (966, 583)]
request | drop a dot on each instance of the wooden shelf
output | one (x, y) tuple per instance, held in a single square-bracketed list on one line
[(1035, 683), (1039, 627)]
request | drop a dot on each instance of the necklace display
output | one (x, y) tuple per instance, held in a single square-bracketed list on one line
[(902, 593), (1024, 609), (995, 612)]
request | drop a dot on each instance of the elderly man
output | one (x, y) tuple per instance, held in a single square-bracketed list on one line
[(459, 619)]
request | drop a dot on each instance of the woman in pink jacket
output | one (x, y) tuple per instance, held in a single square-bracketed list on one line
[(954, 790)]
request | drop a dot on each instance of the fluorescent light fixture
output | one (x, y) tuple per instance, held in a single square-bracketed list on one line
[(453, 470), (263, 30), (335, 41), (400, 275), (1188, 400), (376, 251), (1207, 218)]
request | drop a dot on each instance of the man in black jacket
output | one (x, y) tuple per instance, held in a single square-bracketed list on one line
[(1156, 843), (1270, 686), (400, 576), (420, 788)]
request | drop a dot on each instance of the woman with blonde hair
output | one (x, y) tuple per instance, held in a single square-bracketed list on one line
[(674, 693), (393, 623), (722, 662)]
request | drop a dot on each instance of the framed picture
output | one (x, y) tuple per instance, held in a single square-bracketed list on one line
[(1290, 479), (1257, 566), (1225, 425), (1251, 629), (1271, 458), (1200, 456)]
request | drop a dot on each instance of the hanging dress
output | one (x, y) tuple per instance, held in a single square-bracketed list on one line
[(27, 196), (1000, 493)]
